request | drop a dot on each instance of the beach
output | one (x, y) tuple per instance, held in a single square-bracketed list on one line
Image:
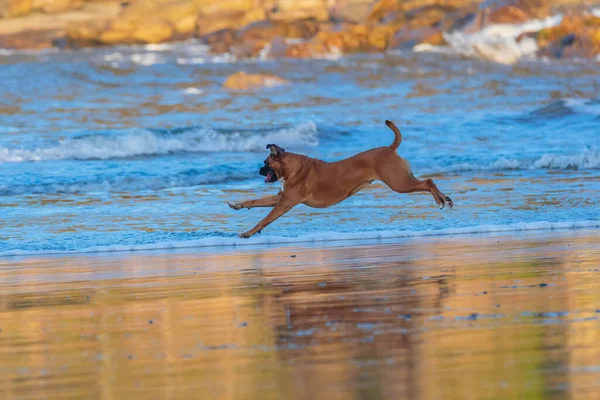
[(128, 127), (504, 315)]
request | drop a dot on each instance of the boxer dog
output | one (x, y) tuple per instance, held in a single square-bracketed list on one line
[(321, 184)]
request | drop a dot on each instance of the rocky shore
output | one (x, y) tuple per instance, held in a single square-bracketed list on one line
[(502, 31)]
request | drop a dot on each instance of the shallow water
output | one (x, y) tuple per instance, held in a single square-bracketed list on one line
[(140, 147), (496, 317)]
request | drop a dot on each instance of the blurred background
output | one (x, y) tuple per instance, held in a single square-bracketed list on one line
[(308, 28)]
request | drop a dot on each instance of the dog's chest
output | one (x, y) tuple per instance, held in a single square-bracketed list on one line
[(282, 182)]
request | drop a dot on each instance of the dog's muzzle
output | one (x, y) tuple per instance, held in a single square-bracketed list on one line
[(268, 173)]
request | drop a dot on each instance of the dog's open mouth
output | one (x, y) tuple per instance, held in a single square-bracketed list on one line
[(269, 174), (270, 177)]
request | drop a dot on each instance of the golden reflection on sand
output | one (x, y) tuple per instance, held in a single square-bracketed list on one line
[(449, 318)]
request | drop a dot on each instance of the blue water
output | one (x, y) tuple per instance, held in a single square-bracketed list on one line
[(141, 147)]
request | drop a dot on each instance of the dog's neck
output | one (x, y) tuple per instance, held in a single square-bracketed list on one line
[(282, 181)]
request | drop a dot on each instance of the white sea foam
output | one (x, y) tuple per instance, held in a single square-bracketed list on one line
[(207, 59), (263, 54), (147, 59), (159, 46), (117, 59), (497, 42), (586, 160), (324, 237), (583, 106), (193, 91), (153, 54), (146, 143)]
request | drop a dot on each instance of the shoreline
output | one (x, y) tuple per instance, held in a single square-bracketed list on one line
[(324, 239)]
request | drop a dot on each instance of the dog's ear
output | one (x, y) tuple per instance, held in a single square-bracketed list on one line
[(276, 151)]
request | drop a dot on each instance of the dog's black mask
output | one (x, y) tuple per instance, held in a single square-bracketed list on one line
[(268, 173)]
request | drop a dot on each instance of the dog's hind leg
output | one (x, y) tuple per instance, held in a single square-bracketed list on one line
[(269, 201), (426, 185), (400, 179)]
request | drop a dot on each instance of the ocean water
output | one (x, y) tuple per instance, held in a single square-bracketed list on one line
[(140, 147)]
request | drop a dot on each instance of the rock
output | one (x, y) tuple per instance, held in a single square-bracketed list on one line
[(425, 24), (380, 36), (508, 15), (581, 25), (347, 38), (221, 41), (428, 15), (382, 9), (290, 10), (266, 31), (309, 49), (576, 36), (128, 30), (15, 8), (56, 6), (210, 23), (244, 81), (152, 31), (85, 33), (148, 21), (339, 39), (222, 7), (29, 40), (244, 50), (251, 40), (354, 11), (39, 29), (181, 15), (407, 38)]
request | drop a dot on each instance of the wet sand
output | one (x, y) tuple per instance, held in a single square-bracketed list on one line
[(458, 317)]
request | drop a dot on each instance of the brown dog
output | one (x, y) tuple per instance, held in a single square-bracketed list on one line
[(321, 184)]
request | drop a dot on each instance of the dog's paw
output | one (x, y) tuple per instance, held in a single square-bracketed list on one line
[(244, 235), (449, 202), (235, 206)]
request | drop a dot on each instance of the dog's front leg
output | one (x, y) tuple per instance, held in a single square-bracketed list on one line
[(269, 201), (280, 209)]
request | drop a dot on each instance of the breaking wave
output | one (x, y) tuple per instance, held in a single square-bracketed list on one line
[(588, 159), (500, 43), (161, 142), (569, 106)]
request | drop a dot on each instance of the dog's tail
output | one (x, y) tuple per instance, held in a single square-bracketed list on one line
[(398, 139)]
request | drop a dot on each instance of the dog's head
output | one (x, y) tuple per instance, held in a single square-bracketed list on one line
[(273, 169)]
